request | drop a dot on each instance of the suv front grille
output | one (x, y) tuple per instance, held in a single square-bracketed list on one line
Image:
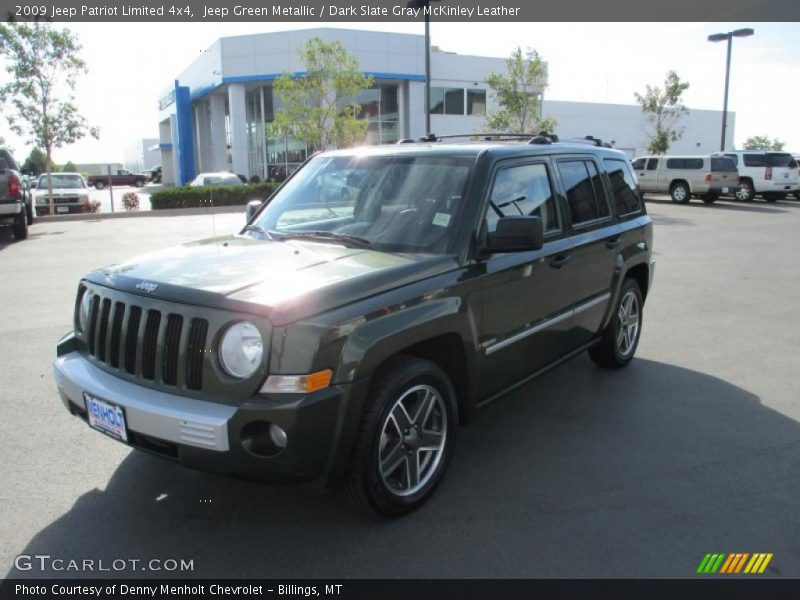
[(146, 343)]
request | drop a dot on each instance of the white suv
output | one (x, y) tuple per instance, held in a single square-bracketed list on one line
[(774, 175)]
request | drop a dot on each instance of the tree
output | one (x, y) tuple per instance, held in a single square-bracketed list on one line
[(44, 66), (763, 142), (69, 167), (519, 93), (662, 110), (36, 163), (319, 107)]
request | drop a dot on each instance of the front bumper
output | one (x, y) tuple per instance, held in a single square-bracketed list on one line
[(211, 436)]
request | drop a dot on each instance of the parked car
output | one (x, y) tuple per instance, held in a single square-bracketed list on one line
[(220, 178), (154, 174), (121, 177), (773, 175), (13, 208), (345, 345), (70, 194), (797, 162), (686, 177)]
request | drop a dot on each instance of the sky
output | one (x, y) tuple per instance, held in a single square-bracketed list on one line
[(130, 64)]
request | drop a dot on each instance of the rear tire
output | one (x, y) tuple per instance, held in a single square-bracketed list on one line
[(29, 212), (20, 227), (99, 185), (620, 338), (411, 405), (680, 194), (139, 183)]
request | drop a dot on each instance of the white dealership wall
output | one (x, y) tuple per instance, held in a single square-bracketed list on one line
[(214, 87)]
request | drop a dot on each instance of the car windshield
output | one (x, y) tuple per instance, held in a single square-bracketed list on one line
[(61, 181), (723, 164), (390, 203)]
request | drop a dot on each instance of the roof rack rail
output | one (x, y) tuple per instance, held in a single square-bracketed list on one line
[(487, 137), (590, 140)]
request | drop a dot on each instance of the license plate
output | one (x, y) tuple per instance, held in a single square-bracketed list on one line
[(725, 190), (62, 209), (106, 417)]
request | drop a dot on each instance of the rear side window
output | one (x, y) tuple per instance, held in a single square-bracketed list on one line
[(755, 160), (585, 193), (685, 163), (722, 165), (780, 160), (623, 186), (523, 190)]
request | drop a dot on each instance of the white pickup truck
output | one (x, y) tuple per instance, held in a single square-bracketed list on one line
[(12, 196)]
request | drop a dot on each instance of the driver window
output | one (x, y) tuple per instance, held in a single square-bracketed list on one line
[(523, 190)]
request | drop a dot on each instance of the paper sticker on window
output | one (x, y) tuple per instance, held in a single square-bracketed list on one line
[(441, 219)]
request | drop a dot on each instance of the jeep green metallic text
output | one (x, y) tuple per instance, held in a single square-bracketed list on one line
[(369, 307)]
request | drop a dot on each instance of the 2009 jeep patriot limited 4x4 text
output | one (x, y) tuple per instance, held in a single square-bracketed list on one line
[(343, 337)]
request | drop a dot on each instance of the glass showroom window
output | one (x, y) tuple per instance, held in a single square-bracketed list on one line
[(255, 133), (379, 106), (476, 102)]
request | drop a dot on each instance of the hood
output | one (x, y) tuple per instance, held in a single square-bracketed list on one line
[(62, 191), (291, 275)]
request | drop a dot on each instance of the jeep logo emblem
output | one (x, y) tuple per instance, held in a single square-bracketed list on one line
[(147, 286)]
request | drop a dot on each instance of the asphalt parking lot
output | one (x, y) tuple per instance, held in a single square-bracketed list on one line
[(694, 448)]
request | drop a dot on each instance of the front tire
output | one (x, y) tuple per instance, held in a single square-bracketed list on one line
[(139, 183), (680, 193), (621, 336), (745, 191), (405, 440), (99, 185)]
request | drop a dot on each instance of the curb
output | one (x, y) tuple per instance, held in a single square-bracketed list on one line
[(168, 212)]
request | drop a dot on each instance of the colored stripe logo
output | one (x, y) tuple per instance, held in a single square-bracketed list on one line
[(737, 562)]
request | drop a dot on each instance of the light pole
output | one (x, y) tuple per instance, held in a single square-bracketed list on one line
[(425, 5), (720, 37)]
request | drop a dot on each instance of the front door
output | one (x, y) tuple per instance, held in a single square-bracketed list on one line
[(526, 322), (648, 175)]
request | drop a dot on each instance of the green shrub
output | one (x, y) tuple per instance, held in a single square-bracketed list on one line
[(207, 196)]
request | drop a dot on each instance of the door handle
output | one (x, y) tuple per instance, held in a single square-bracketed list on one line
[(559, 261), (613, 243)]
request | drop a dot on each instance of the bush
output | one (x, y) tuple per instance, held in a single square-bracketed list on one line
[(93, 206), (193, 197), (130, 201)]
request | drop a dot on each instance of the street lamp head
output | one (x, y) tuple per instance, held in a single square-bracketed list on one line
[(718, 37), (742, 32)]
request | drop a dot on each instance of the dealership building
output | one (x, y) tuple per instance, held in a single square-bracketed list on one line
[(213, 116)]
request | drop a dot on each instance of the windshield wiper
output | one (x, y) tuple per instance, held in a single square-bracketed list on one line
[(259, 229), (352, 240)]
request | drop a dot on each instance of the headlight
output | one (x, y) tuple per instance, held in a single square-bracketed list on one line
[(83, 310), (241, 349), (41, 199)]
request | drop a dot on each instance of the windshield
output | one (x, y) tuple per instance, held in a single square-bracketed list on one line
[(391, 203), (61, 181), (723, 164)]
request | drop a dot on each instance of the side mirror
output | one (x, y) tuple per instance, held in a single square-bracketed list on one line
[(515, 234), (252, 208)]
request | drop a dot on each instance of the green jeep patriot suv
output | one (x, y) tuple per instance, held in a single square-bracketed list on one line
[(367, 309)]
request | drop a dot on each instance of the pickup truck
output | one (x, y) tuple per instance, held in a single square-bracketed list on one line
[(121, 177), (342, 338), (13, 208)]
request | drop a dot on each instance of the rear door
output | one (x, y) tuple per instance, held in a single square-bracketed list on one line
[(595, 237)]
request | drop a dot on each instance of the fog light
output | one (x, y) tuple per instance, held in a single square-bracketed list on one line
[(278, 436)]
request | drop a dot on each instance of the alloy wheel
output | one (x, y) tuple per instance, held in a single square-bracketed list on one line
[(628, 315), (412, 440)]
